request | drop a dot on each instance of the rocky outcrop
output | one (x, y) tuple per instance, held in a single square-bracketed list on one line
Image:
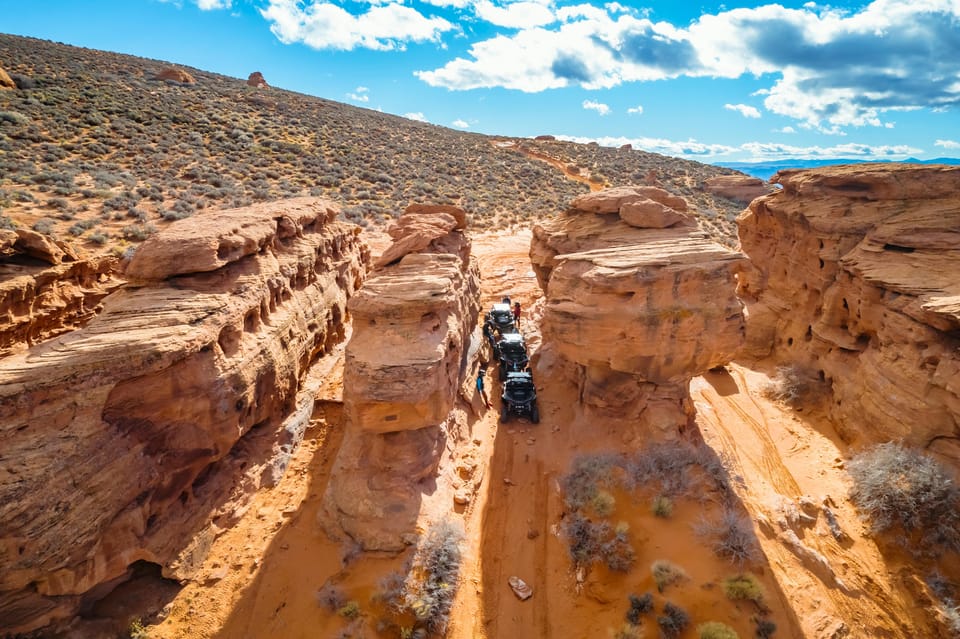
[(427, 229), (173, 74), (636, 312), (136, 438), (47, 288), (405, 363), (741, 188), (6, 82), (256, 80), (857, 279)]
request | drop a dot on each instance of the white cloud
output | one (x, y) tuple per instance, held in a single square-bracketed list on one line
[(690, 148), (461, 124), (360, 94), (759, 151), (787, 129), (637, 110), (827, 68), (745, 110), (418, 116), (324, 25), (948, 144), (599, 107), (207, 5), (515, 15)]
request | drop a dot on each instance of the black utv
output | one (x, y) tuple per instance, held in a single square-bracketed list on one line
[(519, 397), (501, 318), (512, 353)]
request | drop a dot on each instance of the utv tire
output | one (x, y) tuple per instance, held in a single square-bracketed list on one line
[(504, 413), (503, 372), (535, 415)]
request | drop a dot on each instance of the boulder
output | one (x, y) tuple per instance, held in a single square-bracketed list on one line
[(610, 200), (856, 281), (741, 188), (180, 387), (650, 214), (427, 229), (173, 74), (256, 80), (6, 82)]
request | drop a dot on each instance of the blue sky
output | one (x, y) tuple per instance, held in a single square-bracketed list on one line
[(708, 81)]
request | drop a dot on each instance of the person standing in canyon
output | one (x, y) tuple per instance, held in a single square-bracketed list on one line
[(480, 388), (516, 314)]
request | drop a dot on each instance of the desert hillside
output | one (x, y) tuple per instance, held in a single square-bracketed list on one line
[(292, 411), (106, 148)]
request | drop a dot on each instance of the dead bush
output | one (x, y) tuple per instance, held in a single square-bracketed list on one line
[(732, 536), (895, 487)]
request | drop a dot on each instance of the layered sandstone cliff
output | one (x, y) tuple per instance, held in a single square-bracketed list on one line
[(133, 438), (637, 311), (405, 363), (47, 288), (857, 278)]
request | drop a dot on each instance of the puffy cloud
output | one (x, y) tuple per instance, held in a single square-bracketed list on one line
[(461, 124), (827, 68), (689, 148), (758, 150), (948, 144), (207, 5), (788, 129), (745, 110), (418, 116), (324, 25), (637, 110), (599, 107), (360, 94), (515, 15)]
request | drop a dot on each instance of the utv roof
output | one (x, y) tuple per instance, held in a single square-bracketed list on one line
[(512, 338), (502, 308), (520, 377)]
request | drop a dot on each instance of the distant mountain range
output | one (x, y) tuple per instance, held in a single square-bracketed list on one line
[(766, 170)]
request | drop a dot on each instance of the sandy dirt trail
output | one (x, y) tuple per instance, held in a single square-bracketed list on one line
[(782, 455)]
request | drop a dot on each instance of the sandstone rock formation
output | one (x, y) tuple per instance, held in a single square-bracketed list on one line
[(256, 80), (741, 188), (405, 362), (173, 74), (134, 438), (6, 82), (47, 288), (636, 312), (857, 279), (427, 229)]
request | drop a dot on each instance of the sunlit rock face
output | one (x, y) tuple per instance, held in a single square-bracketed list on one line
[(856, 278), (137, 437), (637, 311), (405, 363)]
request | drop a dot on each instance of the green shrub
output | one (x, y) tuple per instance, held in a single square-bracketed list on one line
[(662, 506), (666, 573), (350, 610), (603, 503), (716, 630), (743, 587), (895, 486)]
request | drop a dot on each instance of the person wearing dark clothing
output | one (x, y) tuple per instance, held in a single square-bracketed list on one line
[(516, 313), (480, 389)]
